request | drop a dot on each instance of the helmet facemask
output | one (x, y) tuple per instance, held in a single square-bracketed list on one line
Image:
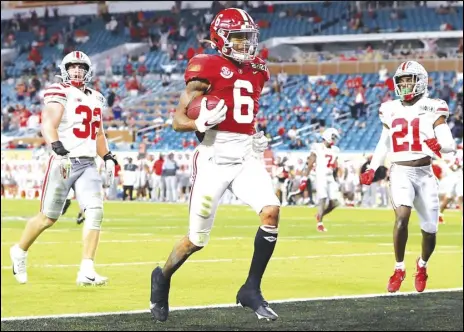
[(77, 74), (331, 136), (408, 86), (240, 45)]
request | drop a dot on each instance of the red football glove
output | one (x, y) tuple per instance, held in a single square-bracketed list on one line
[(433, 144), (303, 184), (367, 177)]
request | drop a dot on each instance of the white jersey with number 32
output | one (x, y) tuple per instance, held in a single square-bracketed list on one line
[(326, 158), (411, 125), (81, 118)]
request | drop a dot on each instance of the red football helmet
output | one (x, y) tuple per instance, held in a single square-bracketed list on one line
[(235, 23)]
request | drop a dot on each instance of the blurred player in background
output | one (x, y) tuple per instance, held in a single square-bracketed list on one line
[(325, 156), (229, 156), (451, 183), (281, 176), (414, 130), (71, 125), (349, 182), (80, 216)]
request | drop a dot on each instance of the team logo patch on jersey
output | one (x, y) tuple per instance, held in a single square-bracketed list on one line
[(426, 108), (195, 67), (226, 73)]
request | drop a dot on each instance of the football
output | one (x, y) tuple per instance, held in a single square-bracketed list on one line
[(193, 108)]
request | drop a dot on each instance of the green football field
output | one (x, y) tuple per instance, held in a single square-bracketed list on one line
[(354, 257)]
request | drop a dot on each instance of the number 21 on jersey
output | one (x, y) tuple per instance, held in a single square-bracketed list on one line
[(401, 137)]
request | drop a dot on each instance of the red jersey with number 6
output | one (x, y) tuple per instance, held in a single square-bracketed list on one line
[(239, 86), (81, 118), (411, 125)]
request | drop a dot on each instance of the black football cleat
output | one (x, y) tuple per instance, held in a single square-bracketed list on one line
[(67, 203), (159, 297), (80, 218), (252, 298)]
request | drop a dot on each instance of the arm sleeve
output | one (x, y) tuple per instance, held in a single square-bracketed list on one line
[(381, 150), (445, 138)]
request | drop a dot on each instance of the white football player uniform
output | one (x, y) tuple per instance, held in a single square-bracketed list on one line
[(409, 127), (326, 162), (77, 131), (452, 173), (350, 177), (459, 164)]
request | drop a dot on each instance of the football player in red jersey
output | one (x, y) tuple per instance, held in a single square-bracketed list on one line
[(229, 157)]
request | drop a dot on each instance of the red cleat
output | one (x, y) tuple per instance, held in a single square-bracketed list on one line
[(321, 228), (441, 221), (395, 281), (421, 277)]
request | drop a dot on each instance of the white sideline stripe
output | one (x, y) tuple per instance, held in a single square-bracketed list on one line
[(231, 260), (230, 305), (171, 237), (237, 206)]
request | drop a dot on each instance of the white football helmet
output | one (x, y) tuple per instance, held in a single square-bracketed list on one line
[(331, 135), (79, 58), (420, 80)]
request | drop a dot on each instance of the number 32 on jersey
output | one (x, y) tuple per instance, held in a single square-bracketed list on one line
[(88, 127)]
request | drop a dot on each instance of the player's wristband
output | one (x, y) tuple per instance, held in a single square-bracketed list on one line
[(110, 156), (59, 148)]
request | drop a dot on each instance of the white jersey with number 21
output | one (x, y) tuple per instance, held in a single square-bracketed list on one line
[(410, 126)]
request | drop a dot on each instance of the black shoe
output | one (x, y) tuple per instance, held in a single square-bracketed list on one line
[(67, 203), (252, 298), (80, 218), (159, 297)]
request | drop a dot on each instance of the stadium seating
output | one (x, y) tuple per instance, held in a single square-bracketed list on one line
[(354, 138), (334, 20), (157, 103), (415, 19)]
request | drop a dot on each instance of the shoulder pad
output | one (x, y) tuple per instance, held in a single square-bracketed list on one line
[(200, 67)]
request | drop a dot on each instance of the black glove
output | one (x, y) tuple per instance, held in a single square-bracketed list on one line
[(59, 149), (110, 156)]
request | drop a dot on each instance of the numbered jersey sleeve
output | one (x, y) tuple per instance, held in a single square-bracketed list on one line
[(56, 93)]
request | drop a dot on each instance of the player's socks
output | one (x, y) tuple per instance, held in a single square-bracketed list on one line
[(265, 242), (400, 266), (422, 263), (87, 265)]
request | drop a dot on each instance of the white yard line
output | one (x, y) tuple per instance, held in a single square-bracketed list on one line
[(172, 237), (230, 305), (231, 260)]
